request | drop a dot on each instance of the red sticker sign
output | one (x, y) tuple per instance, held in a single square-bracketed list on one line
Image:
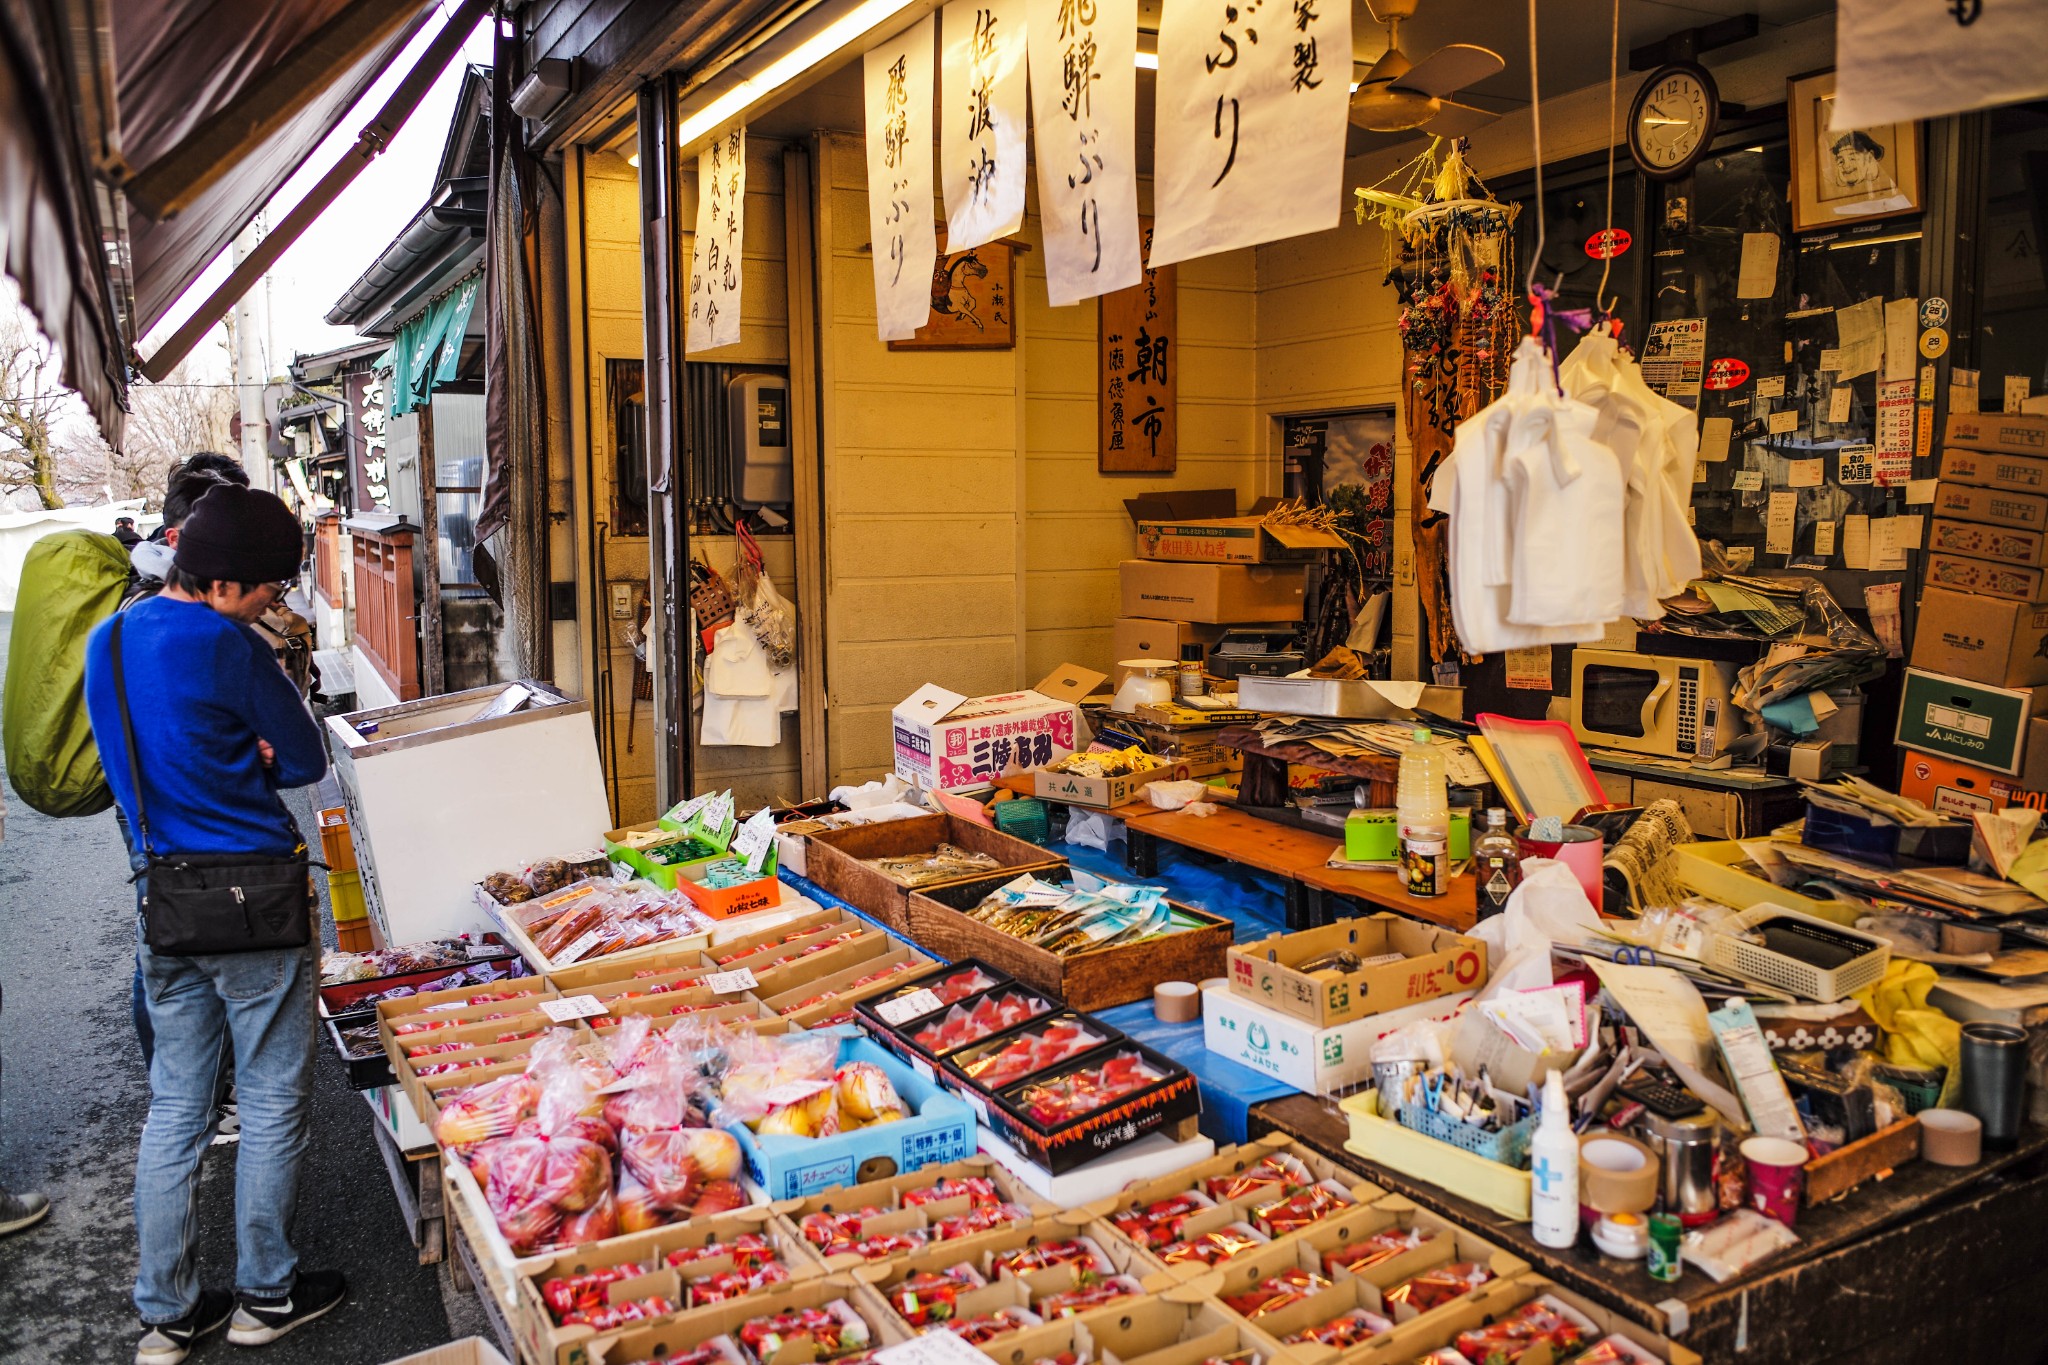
[(1608, 243), (1727, 373)]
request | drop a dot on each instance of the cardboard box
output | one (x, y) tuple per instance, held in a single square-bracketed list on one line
[(1989, 469), (1251, 593), (1964, 720), (2010, 433), (1104, 792), (1147, 637), (1434, 962), (468, 1351), (1959, 789), (1985, 639), (1316, 1061), (2029, 511), (947, 740), (940, 1128), (1979, 541), (1984, 576), (1226, 539), (685, 1331)]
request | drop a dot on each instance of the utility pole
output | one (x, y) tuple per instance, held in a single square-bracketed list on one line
[(249, 374)]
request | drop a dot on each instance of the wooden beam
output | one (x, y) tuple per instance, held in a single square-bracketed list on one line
[(433, 652), (800, 255), (168, 185)]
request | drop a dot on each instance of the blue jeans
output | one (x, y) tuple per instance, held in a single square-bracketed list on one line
[(262, 1005)]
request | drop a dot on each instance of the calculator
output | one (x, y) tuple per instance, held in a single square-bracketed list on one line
[(1660, 1097)]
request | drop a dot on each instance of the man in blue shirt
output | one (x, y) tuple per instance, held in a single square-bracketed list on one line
[(219, 730)]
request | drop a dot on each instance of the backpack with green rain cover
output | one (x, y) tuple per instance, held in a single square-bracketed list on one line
[(70, 582)]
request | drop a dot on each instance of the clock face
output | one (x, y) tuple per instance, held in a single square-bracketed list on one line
[(1673, 120)]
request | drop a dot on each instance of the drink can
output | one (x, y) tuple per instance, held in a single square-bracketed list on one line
[(1665, 1263)]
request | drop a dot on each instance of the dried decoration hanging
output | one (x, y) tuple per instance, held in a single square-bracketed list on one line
[(1458, 329)]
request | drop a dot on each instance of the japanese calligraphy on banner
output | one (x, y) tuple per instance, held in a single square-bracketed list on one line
[(1084, 82), (898, 76), (1251, 123), (1139, 363), (715, 254), (981, 120)]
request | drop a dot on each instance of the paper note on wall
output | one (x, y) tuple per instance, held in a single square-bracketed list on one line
[(1856, 542), (1901, 339), (1770, 386), (1886, 553), (1084, 88), (715, 273), (981, 120), (1778, 522), (901, 229), (1758, 276), (1860, 328), (1838, 403), (1803, 473), (1782, 423), (1714, 434), (1251, 120), (1824, 538)]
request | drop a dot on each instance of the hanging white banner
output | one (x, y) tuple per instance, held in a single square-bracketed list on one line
[(1896, 61), (1084, 84), (901, 228), (981, 120), (1250, 123), (715, 273)]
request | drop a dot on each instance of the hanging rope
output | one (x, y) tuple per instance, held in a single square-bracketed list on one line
[(1601, 303), (1536, 134)]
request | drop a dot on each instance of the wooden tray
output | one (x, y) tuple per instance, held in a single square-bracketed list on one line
[(1086, 981), (1849, 1166), (837, 860)]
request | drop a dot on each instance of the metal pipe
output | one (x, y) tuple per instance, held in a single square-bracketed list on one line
[(370, 144)]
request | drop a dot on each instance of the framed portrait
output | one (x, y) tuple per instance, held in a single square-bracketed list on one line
[(973, 295), (1842, 176)]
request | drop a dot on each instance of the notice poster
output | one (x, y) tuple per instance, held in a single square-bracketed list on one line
[(1856, 464), (1674, 357), (904, 236), (1894, 462), (1084, 85), (1138, 354), (715, 252), (981, 120), (1252, 120)]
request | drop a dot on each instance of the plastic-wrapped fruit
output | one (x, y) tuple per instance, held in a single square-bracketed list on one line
[(660, 1160), (718, 1196), (595, 1223), (488, 1110), (716, 1152), (867, 1094), (815, 1115)]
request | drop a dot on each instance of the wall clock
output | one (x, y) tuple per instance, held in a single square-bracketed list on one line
[(1671, 123)]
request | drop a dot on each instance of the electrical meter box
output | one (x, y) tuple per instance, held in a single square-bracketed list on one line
[(758, 418)]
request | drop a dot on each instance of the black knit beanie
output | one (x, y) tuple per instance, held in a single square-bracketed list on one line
[(240, 535)]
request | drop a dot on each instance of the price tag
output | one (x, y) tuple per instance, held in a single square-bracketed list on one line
[(683, 810), (731, 983), (756, 838), (923, 1068), (795, 1092), (935, 1348), (573, 1007), (579, 948), (918, 1002)]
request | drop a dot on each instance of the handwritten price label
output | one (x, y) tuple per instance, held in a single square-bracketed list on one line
[(574, 1007), (903, 1007), (730, 983)]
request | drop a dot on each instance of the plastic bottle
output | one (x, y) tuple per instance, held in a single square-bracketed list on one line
[(1425, 812), (1554, 1170), (1497, 864)]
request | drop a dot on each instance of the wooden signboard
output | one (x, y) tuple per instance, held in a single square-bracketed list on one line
[(973, 301), (1138, 349)]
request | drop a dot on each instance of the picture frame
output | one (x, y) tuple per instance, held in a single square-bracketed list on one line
[(974, 301), (1841, 177)]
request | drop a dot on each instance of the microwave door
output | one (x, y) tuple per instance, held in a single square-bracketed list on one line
[(1649, 722)]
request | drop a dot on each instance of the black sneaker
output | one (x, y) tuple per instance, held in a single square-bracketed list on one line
[(18, 1211), (260, 1321), (170, 1342)]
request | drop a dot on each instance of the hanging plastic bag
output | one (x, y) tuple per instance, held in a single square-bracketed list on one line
[(771, 618)]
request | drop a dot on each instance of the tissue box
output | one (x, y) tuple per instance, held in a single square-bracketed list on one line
[(1317, 1061)]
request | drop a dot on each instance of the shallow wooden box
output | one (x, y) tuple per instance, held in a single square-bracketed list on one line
[(838, 860), (1086, 981)]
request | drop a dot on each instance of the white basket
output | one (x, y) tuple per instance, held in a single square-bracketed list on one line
[(1723, 952)]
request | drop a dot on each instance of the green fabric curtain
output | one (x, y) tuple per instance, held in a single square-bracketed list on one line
[(429, 348), (464, 297)]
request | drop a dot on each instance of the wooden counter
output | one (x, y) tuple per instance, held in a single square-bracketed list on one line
[(1932, 1263)]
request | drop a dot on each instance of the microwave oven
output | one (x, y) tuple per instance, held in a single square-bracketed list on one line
[(1648, 704)]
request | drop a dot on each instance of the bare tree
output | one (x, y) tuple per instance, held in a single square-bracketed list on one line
[(33, 404)]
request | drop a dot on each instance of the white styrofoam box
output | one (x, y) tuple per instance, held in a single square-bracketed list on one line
[(444, 791), (1154, 1154), (394, 1110), (1295, 1052)]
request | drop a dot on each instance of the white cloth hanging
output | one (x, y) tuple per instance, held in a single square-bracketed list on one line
[(1569, 503), (740, 705)]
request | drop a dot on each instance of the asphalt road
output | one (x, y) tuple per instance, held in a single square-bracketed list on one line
[(71, 1109)]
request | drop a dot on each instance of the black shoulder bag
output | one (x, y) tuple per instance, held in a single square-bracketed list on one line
[(215, 902)]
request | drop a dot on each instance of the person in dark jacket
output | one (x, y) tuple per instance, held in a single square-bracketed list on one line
[(219, 731)]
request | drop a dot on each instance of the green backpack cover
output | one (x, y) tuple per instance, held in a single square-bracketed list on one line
[(70, 582)]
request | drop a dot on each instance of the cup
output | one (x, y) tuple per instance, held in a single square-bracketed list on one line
[(1461, 834), (1581, 850), (1777, 1176), (1994, 1080)]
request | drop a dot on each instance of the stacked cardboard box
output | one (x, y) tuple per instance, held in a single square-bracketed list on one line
[(1204, 569), (1990, 533)]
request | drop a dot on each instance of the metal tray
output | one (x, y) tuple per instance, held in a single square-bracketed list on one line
[(1341, 699)]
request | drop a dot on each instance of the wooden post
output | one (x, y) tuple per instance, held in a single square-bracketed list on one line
[(801, 257)]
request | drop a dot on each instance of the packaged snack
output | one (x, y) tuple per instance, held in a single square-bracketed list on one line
[(834, 1331), (1290, 1286), (1059, 1100), (929, 1296), (1346, 1330), (1293, 1212), (1381, 1246), (1156, 1224), (1082, 1298), (832, 1233), (1213, 1247), (1271, 1176), (1435, 1288), (992, 1013), (1080, 1252)]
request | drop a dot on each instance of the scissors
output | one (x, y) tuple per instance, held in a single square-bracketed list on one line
[(1629, 955)]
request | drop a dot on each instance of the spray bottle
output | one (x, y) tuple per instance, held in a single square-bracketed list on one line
[(1554, 1170)]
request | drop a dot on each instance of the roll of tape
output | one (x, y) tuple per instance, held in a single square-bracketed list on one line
[(1176, 1002), (1214, 983), (1617, 1174), (1950, 1137)]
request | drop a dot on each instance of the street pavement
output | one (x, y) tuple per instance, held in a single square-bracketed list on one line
[(72, 1102)]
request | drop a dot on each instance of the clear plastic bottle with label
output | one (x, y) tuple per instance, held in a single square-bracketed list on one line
[(1496, 865), (1423, 803)]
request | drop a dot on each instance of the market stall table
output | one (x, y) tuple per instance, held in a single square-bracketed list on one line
[(1930, 1263)]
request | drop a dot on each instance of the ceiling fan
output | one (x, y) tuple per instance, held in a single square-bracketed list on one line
[(1398, 95)]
